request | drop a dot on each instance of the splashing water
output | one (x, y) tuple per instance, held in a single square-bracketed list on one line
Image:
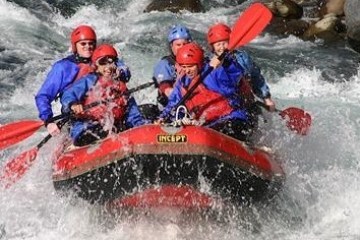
[(322, 188)]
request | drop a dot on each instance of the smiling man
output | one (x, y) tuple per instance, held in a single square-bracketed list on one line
[(112, 110), (64, 72)]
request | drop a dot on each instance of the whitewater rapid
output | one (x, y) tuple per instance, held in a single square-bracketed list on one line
[(320, 198)]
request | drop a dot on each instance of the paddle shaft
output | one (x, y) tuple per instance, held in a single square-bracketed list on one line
[(140, 87), (261, 104), (297, 120), (60, 124)]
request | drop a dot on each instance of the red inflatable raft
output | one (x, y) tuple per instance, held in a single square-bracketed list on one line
[(155, 165)]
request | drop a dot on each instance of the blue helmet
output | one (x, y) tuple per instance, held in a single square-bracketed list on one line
[(179, 32)]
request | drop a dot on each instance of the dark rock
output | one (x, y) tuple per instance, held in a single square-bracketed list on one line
[(175, 5), (352, 19), (286, 27), (354, 44), (330, 28), (288, 19), (285, 9), (332, 6)]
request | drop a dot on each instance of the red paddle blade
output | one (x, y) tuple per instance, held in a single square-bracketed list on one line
[(250, 24), (17, 167), (13, 133), (297, 120)]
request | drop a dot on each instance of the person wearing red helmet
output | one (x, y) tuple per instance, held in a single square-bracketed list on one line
[(166, 70), (112, 109), (64, 72), (67, 70), (83, 41), (213, 102), (253, 82)]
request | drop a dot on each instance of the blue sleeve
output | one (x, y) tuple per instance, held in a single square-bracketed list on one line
[(174, 98), (60, 76), (259, 85), (225, 79), (124, 70), (164, 71), (133, 117), (77, 91)]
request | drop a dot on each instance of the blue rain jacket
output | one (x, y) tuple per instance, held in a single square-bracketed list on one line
[(164, 70), (223, 80), (62, 75), (258, 83)]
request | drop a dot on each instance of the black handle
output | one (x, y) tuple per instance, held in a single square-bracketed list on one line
[(60, 124)]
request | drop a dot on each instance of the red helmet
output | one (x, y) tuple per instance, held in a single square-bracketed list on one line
[(104, 50), (190, 54), (218, 32), (80, 33)]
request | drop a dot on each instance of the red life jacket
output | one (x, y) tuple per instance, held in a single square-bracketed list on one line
[(206, 104), (110, 95), (246, 92), (84, 69), (163, 86)]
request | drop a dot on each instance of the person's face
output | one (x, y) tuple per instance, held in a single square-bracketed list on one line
[(220, 47), (106, 66), (177, 44), (85, 48), (190, 70)]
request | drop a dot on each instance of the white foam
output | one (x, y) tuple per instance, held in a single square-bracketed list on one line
[(322, 168), (309, 83)]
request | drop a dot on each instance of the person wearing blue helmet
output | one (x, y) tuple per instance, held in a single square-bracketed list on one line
[(166, 70)]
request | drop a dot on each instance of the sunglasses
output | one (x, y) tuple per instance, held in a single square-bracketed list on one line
[(90, 44), (106, 60)]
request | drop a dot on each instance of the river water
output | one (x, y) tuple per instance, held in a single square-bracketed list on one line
[(320, 198)]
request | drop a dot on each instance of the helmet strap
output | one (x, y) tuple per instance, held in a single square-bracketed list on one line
[(80, 59)]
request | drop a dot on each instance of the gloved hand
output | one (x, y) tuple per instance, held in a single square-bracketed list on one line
[(123, 74)]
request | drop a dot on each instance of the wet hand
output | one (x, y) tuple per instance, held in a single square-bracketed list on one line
[(53, 129), (77, 108), (159, 121), (214, 62), (168, 91), (270, 104)]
